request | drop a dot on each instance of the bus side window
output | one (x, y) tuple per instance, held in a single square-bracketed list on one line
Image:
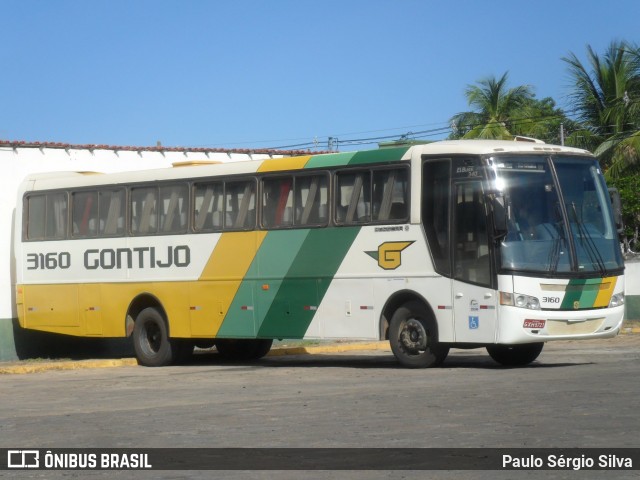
[(311, 198), (352, 202), (173, 209), (436, 194), (240, 205), (56, 221), (36, 213), (143, 210), (390, 199), (209, 208), (84, 214), (471, 254), (111, 211), (277, 202)]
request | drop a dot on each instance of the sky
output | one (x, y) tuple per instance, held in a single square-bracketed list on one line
[(279, 73)]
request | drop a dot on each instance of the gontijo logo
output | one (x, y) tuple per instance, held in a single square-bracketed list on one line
[(389, 254)]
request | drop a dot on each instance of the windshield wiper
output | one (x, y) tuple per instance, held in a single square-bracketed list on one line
[(588, 243), (556, 247)]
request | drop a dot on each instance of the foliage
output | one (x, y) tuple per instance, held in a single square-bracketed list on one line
[(494, 106), (500, 112), (606, 95), (542, 120), (629, 188)]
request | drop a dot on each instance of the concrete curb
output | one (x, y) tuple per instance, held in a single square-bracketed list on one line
[(333, 348), (630, 326), (625, 330), (45, 366)]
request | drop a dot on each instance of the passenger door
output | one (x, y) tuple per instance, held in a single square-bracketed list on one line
[(474, 302)]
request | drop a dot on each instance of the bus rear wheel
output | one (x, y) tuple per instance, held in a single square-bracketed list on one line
[(515, 355), (413, 337), (151, 340), (243, 349)]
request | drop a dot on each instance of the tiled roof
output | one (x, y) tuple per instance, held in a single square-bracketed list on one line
[(158, 148)]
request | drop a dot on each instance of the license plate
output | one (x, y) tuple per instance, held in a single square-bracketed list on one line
[(534, 324)]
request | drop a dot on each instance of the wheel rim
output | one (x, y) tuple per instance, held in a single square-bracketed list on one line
[(413, 336), (153, 338)]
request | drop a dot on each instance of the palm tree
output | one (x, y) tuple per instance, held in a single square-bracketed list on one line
[(606, 95), (495, 108)]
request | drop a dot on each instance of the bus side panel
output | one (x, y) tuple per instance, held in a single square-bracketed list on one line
[(174, 298), (53, 308), (381, 261), (312, 267), (226, 285), (90, 308), (207, 306), (292, 309), (348, 310), (280, 292), (239, 322)]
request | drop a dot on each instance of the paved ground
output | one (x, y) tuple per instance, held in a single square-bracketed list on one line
[(578, 394)]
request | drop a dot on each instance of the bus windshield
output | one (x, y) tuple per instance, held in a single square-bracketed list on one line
[(559, 216)]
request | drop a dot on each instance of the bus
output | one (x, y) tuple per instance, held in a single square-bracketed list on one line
[(502, 245)]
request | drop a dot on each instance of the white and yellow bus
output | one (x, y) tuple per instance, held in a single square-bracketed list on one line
[(454, 244)]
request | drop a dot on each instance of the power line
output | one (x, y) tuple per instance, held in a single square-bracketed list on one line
[(337, 140)]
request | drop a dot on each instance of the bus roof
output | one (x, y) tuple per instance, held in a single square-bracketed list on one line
[(487, 147), (447, 147)]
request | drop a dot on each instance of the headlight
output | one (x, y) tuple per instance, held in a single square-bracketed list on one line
[(616, 300), (519, 300)]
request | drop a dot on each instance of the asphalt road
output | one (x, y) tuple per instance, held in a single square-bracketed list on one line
[(577, 394)]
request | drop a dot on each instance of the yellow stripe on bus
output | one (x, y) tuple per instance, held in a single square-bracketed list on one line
[(221, 279), (289, 163), (606, 291)]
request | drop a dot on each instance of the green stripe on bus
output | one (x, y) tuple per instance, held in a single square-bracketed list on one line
[(357, 158), (590, 292), (572, 294), (307, 281), (584, 292), (260, 285), (378, 156), (319, 161)]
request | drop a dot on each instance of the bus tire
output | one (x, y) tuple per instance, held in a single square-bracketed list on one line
[(413, 337), (243, 349), (515, 355), (151, 339)]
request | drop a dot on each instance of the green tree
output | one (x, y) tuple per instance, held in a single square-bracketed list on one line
[(494, 108), (541, 119), (606, 95), (629, 186)]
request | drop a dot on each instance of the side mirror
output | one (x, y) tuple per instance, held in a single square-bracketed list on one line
[(616, 205), (500, 215)]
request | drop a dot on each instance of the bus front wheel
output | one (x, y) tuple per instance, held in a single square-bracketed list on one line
[(413, 338), (515, 355), (151, 339)]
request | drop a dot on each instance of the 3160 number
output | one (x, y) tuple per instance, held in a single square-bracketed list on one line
[(48, 261)]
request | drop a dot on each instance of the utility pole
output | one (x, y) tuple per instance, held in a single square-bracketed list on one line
[(562, 134)]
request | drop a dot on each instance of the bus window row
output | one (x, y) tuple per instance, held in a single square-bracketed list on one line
[(361, 196)]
